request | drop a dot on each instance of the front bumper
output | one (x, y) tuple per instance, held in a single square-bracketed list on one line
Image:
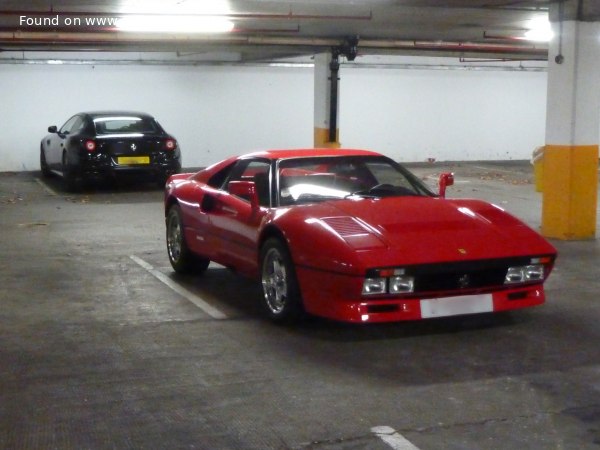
[(337, 297)]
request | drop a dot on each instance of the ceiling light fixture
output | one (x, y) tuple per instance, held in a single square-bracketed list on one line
[(540, 30), (174, 24)]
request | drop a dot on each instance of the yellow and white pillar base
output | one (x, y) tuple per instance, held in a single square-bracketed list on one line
[(570, 181), (570, 162), (322, 138), (322, 105)]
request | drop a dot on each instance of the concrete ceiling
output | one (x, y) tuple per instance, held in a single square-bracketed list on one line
[(274, 29)]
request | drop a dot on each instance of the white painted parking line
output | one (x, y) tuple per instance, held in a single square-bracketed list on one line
[(47, 188), (189, 295), (394, 439)]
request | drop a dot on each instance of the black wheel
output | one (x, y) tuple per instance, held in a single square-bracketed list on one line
[(161, 180), (72, 182), (46, 172), (282, 301), (180, 256)]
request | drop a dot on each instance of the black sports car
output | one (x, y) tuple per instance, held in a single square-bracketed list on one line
[(106, 144)]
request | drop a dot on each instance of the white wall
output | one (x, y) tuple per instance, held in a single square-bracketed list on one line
[(449, 115), (218, 111)]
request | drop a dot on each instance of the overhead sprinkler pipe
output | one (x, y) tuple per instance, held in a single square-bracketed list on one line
[(349, 49), (334, 70), (313, 45)]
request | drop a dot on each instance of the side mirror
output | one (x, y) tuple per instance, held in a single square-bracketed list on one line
[(245, 190), (52, 129), (446, 179)]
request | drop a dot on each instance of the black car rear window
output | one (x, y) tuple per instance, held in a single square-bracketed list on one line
[(124, 124)]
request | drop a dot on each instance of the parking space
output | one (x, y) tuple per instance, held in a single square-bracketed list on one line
[(103, 346)]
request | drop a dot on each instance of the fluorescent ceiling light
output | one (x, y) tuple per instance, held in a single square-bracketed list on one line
[(174, 24), (171, 7), (539, 30)]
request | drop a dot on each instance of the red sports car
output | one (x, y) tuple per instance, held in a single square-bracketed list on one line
[(351, 235)]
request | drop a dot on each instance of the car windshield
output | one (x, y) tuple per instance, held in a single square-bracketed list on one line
[(124, 125), (307, 180)]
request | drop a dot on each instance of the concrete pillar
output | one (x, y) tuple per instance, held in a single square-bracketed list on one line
[(323, 105), (570, 175)]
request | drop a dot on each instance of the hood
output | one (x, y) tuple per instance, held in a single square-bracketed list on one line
[(429, 229)]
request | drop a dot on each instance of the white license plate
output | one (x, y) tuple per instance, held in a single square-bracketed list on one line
[(454, 306)]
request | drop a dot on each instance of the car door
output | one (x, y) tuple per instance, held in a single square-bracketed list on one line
[(56, 143), (235, 221), (195, 201)]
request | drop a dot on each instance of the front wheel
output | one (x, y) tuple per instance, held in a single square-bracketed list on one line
[(46, 172), (281, 295), (181, 258)]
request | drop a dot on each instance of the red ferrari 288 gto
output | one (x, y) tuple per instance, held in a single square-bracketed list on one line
[(353, 236)]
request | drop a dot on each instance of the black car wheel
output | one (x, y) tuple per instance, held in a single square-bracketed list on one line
[(72, 183), (281, 295), (180, 256), (44, 165)]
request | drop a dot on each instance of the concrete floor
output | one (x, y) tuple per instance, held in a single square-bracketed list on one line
[(102, 346)]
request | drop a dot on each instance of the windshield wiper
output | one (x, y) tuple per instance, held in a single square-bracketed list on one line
[(383, 189)]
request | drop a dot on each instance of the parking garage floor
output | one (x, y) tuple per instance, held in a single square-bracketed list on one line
[(102, 346)]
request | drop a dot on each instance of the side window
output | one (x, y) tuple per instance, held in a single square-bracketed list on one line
[(66, 128), (256, 171), (219, 178), (77, 125)]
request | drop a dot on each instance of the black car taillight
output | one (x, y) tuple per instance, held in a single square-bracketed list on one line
[(170, 144), (90, 146)]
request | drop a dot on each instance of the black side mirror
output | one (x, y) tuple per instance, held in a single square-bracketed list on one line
[(52, 129)]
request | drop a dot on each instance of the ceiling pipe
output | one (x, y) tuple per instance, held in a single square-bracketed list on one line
[(81, 29), (454, 46), (499, 37), (276, 63), (52, 39), (266, 16)]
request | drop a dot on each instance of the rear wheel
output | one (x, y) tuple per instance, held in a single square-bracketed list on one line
[(161, 180), (43, 164), (72, 183), (281, 295), (181, 258)]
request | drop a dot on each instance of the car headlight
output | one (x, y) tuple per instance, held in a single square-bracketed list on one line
[(388, 281), (524, 274), (402, 284), (373, 286)]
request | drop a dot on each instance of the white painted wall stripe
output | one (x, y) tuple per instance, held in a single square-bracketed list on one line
[(392, 438), (189, 295)]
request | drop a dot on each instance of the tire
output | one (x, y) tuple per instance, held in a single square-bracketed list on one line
[(46, 172), (281, 299), (181, 258), (72, 183), (161, 181)]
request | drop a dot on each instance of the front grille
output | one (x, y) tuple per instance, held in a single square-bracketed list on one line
[(448, 281), (459, 276)]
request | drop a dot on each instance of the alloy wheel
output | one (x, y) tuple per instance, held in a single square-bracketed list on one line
[(275, 281)]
